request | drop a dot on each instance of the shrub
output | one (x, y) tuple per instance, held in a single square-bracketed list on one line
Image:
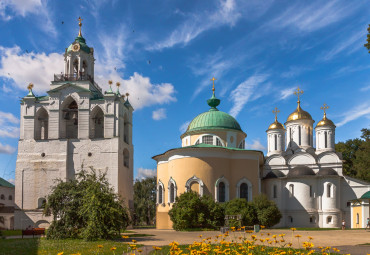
[(268, 213), (86, 207), (193, 211), (242, 207)]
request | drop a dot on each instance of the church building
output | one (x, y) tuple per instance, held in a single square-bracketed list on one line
[(305, 182), (74, 126)]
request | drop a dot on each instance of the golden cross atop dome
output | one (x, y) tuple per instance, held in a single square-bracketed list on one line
[(276, 111), (80, 24), (30, 86), (324, 108), (298, 92), (213, 86)]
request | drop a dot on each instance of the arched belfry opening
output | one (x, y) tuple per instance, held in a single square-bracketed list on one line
[(41, 124), (75, 67), (97, 123), (126, 158), (126, 129), (69, 119)]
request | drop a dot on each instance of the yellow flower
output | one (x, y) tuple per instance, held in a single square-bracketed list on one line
[(61, 253), (293, 229), (100, 246), (134, 241), (140, 251), (125, 237), (113, 248), (298, 236), (157, 248)]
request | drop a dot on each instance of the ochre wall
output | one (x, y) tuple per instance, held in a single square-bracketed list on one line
[(209, 170), (357, 210)]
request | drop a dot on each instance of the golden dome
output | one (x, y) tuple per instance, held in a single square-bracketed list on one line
[(299, 114), (325, 122), (276, 125)]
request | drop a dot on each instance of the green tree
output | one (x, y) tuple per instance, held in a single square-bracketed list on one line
[(367, 45), (356, 153), (193, 211), (268, 213), (144, 201), (86, 207), (245, 209)]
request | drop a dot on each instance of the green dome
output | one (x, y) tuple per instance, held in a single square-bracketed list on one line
[(366, 195), (83, 46), (213, 119)]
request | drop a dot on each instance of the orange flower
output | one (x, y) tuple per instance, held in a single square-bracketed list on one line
[(113, 248), (100, 246)]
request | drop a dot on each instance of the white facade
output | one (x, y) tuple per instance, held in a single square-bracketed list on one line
[(307, 183), (74, 126), (6, 206)]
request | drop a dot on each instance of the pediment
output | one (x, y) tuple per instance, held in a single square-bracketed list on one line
[(275, 160), (301, 159)]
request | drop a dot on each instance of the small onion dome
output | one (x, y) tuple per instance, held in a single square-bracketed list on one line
[(300, 171), (276, 125), (81, 43), (299, 114), (327, 171), (325, 122), (274, 174), (366, 195)]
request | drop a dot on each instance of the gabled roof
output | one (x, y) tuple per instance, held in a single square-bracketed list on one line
[(79, 88), (4, 183)]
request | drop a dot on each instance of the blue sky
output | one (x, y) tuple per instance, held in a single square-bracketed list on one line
[(165, 53)]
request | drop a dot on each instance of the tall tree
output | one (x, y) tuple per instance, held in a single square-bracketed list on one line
[(145, 201), (367, 45)]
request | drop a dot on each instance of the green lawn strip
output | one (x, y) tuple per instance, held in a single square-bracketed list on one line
[(42, 246), (11, 232), (144, 227), (257, 250), (307, 229)]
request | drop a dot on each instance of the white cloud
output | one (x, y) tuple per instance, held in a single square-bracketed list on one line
[(6, 149), (159, 114), (350, 44), (355, 113), (7, 125), (244, 91), (313, 17), (7, 116), (184, 126), (294, 71), (226, 13), (12, 181), (24, 68), (366, 88), (143, 173), (285, 93), (255, 145)]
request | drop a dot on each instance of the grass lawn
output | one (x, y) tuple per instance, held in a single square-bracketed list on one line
[(312, 229), (11, 232), (38, 246)]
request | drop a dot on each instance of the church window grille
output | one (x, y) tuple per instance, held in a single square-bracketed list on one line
[(291, 190), (311, 191), (328, 190), (160, 195), (218, 142), (244, 191), (275, 137), (275, 191), (10, 197), (172, 193), (207, 139), (299, 135), (326, 139), (221, 192), (172, 190), (2, 197)]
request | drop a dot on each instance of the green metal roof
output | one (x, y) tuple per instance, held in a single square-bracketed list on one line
[(366, 195), (5, 183), (83, 46)]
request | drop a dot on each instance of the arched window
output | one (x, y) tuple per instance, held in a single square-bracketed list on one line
[(221, 192), (41, 202), (312, 219), (274, 191), (126, 158), (357, 218), (311, 191), (84, 67), (126, 129), (160, 193), (329, 220), (328, 190), (299, 135), (242, 145), (309, 136), (97, 123), (172, 190), (218, 142), (10, 197), (291, 190), (326, 139), (41, 124), (69, 125), (275, 141), (244, 189), (75, 68), (195, 184), (2, 197)]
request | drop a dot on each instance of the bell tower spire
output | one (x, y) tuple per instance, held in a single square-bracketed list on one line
[(80, 25)]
